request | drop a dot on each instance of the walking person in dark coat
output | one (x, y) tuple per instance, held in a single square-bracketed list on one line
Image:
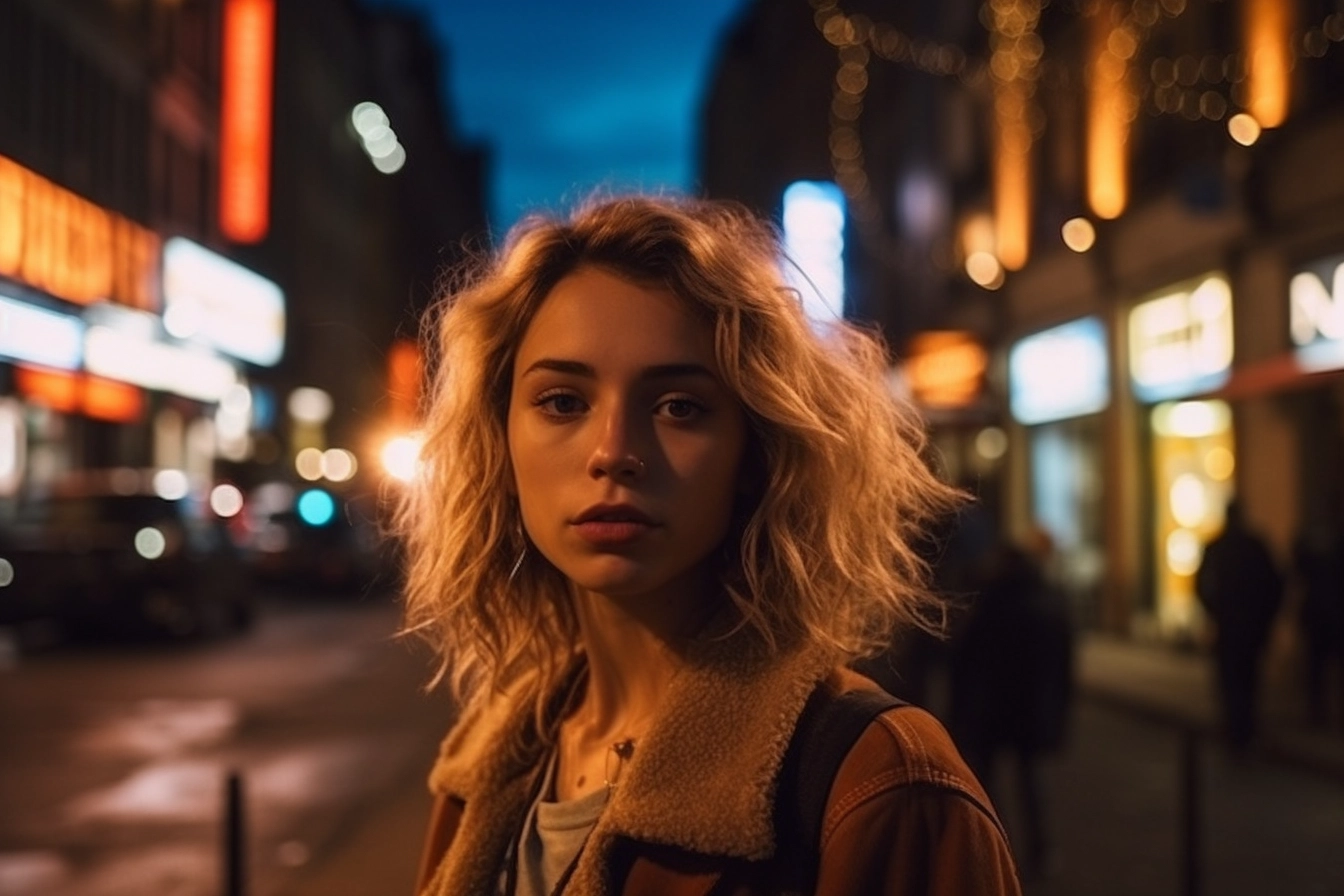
[(1012, 682), (1318, 560), (1241, 588)]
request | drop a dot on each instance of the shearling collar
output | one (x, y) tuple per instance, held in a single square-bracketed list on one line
[(702, 779)]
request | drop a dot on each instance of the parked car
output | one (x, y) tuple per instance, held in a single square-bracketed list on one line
[(103, 561)]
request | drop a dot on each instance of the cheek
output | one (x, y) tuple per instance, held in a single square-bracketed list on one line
[(717, 476)]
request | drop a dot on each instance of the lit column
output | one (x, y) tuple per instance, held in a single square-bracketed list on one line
[(1111, 105), (1268, 28), (1014, 63)]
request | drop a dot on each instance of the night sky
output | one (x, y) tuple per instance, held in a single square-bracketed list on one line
[(575, 96)]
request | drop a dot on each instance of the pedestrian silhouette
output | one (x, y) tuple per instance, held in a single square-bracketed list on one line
[(1012, 682), (957, 549), (1318, 561), (1240, 586)]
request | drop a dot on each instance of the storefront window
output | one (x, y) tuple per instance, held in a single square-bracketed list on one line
[(1193, 460), (1066, 497)]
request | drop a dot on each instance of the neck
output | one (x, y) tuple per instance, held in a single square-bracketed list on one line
[(634, 647)]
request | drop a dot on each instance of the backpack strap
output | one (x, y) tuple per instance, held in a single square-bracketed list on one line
[(827, 730)]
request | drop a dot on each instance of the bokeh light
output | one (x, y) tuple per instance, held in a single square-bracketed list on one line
[(308, 464), (991, 443), (1243, 128), (1079, 234), (338, 465), (316, 507), (150, 543), (984, 270), (226, 500), (171, 485), (308, 404)]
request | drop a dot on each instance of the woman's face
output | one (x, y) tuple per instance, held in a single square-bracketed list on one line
[(626, 447)]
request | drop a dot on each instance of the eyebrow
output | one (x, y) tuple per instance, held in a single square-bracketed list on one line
[(656, 372)]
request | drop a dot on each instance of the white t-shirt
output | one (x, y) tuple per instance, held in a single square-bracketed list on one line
[(552, 836)]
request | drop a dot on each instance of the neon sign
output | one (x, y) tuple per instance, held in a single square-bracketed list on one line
[(245, 120), (65, 245), (1316, 314)]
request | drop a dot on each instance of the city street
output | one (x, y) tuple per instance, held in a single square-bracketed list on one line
[(113, 760), (113, 763)]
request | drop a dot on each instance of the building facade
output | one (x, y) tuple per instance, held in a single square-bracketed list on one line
[(1134, 210), (142, 328)]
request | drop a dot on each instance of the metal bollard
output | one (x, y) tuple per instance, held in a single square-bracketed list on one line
[(235, 836), (1189, 859)]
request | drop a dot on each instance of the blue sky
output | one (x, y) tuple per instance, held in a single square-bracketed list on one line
[(572, 96)]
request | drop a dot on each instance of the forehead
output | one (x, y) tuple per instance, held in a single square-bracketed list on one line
[(594, 314)]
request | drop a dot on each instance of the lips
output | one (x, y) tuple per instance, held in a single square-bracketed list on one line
[(613, 513), (612, 525)]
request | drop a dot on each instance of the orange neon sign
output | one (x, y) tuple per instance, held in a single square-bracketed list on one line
[(946, 368), (70, 393), (245, 120), (404, 372), (65, 245)]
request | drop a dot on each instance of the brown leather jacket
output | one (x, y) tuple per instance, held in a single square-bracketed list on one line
[(693, 812)]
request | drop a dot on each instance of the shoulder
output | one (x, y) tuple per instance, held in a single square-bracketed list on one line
[(906, 747), (906, 815), (904, 754)]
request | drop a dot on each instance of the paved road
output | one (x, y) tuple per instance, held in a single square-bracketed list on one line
[(1115, 799), (112, 761)]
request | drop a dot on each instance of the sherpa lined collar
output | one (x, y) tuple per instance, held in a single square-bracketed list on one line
[(702, 779)]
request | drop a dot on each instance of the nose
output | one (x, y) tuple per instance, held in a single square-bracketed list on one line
[(616, 453)]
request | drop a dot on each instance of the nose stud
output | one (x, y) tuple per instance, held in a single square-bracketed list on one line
[(631, 464)]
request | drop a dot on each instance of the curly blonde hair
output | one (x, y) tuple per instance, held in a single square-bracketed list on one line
[(825, 550)]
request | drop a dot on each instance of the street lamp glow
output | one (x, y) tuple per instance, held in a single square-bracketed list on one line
[(401, 457)]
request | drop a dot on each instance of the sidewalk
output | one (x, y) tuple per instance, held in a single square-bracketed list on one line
[(1175, 687)]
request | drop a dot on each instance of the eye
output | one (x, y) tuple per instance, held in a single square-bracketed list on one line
[(560, 404), (681, 408)]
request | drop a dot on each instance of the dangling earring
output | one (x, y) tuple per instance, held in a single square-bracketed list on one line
[(522, 555)]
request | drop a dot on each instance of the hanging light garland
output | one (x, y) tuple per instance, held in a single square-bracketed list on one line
[(857, 39), (1206, 87)]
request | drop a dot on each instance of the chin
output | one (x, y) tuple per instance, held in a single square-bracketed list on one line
[(624, 578), (616, 582)]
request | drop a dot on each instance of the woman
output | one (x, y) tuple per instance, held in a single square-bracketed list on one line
[(657, 513)]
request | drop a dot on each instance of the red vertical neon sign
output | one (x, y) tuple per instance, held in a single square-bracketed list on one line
[(245, 119)]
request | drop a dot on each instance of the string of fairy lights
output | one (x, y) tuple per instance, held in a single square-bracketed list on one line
[(1210, 87)]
